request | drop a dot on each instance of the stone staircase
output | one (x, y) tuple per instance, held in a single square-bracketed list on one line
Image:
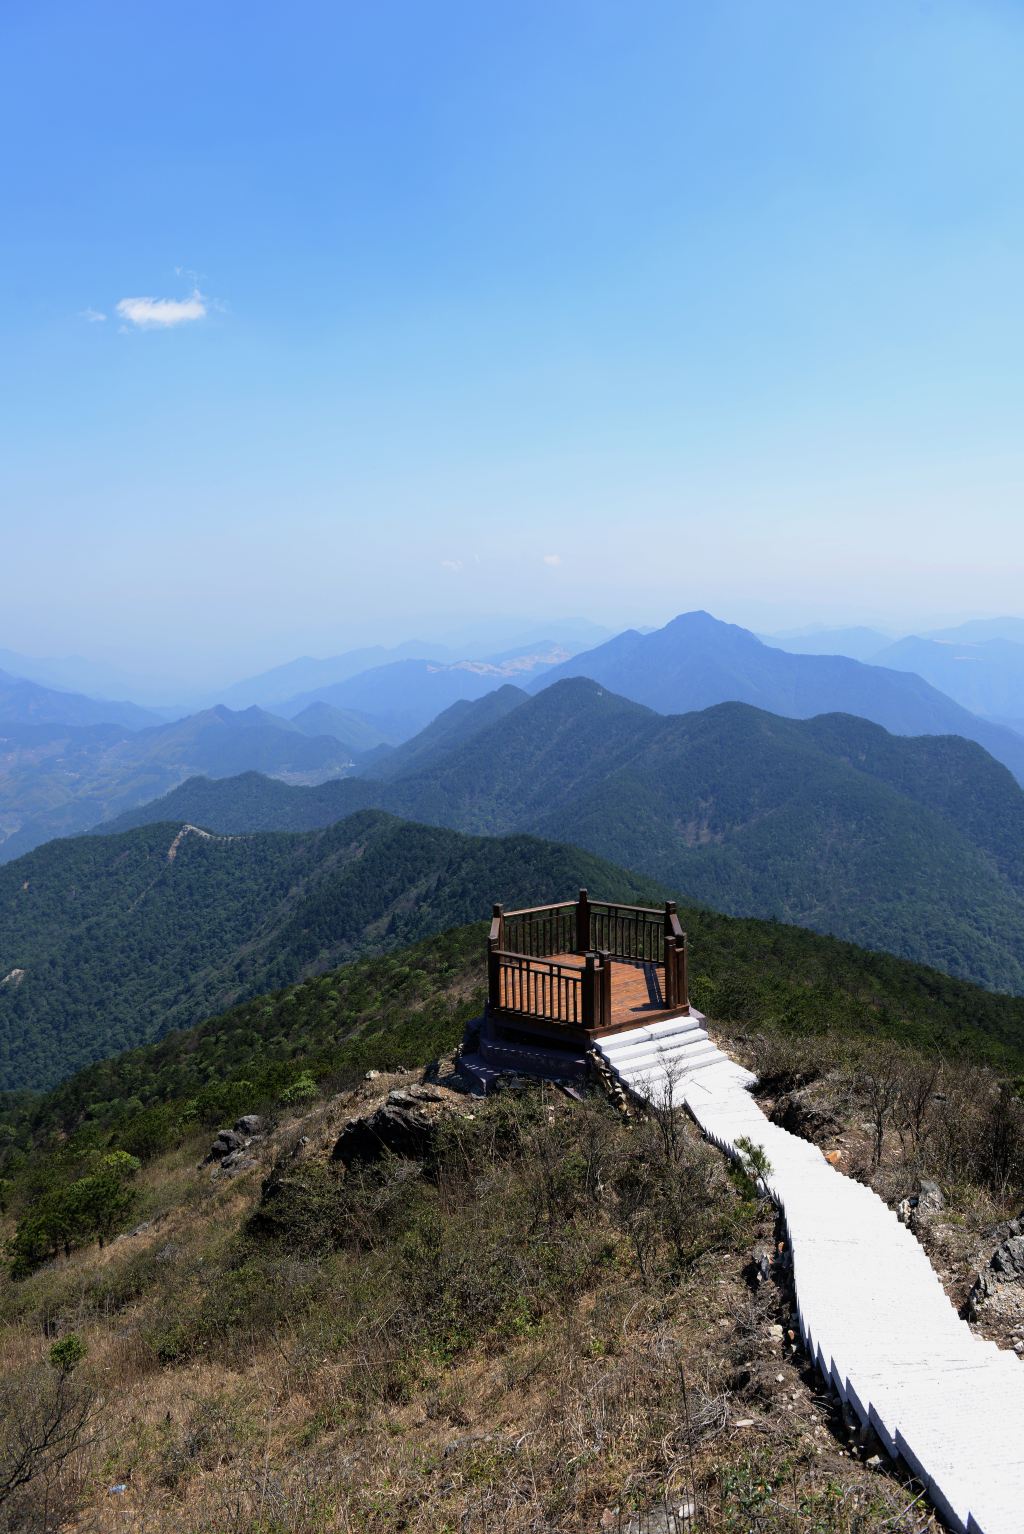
[(872, 1312), (654, 1061)]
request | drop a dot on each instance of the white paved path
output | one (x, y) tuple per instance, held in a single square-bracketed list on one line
[(872, 1311)]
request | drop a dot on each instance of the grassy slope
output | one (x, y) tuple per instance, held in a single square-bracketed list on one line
[(550, 1319), (406, 1007)]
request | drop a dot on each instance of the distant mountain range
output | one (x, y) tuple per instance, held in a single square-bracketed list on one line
[(910, 845), (857, 643), (986, 675), (107, 942), (979, 664), (69, 673), (26, 702), (56, 780), (404, 696), (696, 661), (58, 785), (307, 676)]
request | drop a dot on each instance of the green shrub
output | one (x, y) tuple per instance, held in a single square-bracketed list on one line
[(68, 1353)]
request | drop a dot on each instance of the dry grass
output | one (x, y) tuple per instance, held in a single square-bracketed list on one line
[(507, 1344)]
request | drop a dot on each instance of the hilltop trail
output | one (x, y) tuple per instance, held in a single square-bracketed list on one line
[(207, 836), (873, 1314)]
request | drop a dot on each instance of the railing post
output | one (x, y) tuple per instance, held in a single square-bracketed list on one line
[(494, 943), (583, 922), (670, 972), (682, 958), (605, 1010), (589, 989)]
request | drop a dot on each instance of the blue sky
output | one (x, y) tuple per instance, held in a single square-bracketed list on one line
[(609, 309)]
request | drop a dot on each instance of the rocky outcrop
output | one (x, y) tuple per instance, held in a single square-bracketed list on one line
[(229, 1148), (921, 1206), (1005, 1268), (802, 1115), (404, 1125)]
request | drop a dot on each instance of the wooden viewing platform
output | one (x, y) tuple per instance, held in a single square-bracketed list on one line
[(573, 972)]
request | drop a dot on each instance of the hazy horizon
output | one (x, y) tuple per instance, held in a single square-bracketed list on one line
[(160, 684)]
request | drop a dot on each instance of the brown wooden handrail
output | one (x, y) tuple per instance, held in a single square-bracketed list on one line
[(513, 953), (533, 910), (562, 905), (526, 978)]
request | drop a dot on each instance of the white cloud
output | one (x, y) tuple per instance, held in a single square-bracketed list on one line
[(162, 313), (451, 564), (552, 559), (94, 316)]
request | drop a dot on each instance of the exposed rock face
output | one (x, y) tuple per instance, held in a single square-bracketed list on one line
[(1008, 1261), (393, 1128), (921, 1206), (406, 1124), (228, 1147), (798, 1112), (1005, 1268), (227, 1140)]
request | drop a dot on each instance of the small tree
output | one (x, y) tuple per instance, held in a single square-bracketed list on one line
[(880, 1081), (47, 1415), (67, 1354), (754, 1167)]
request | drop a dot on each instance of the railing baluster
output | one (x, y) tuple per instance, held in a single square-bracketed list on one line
[(527, 977)]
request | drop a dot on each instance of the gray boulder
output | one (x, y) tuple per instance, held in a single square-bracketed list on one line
[(1006, 1266), (392, 1129), (227, 1140), (1008, 1260)]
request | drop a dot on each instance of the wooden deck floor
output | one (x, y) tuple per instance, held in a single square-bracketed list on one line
[(638, 990)]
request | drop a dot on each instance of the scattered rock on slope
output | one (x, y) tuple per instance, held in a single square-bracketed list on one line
[(1000, 1286)]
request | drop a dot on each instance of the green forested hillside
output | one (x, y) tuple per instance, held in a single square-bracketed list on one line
[(357, 732), (405, 1007), (914, 845), (447, 732), (106, 942), (61, 781)]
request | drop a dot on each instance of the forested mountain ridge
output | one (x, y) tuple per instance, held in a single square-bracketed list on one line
[(696, 661), (107, 941), (910, 844), (408, 1005), (446, 733), (357, 732), (58, 780), (530, 1250)]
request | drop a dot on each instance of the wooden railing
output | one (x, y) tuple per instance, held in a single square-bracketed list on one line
[(526, 978), (542, 930), (626, 931)]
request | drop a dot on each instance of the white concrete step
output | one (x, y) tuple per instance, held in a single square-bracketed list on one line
[(618, 1045), (669, 1059), (657, 1051), (869, 1305)]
